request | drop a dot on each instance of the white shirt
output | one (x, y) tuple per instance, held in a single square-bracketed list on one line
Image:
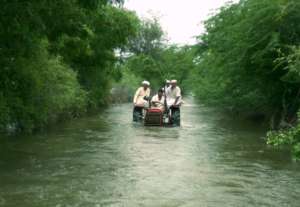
[(139, 96), (159, 103), (172, 95)]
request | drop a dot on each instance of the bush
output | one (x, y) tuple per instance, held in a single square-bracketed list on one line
[(289, 137), (40, 90), (249, 61), (243, 57), (4, 112)]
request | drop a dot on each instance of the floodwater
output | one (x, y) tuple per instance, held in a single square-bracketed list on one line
[(106, 160)]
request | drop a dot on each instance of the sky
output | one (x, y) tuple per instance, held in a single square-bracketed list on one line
[(182, 20)]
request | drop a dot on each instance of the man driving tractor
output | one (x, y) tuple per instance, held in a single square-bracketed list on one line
[(158, 101)]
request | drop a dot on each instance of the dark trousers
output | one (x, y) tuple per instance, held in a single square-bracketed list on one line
[(175, 115), (137, 114)]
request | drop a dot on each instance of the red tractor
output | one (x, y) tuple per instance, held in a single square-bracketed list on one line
[(157, 117)]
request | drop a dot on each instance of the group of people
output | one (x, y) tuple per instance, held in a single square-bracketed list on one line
[(167, 98)]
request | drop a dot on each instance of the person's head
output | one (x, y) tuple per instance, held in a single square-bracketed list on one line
[(146, 84), (173, 83), (160, 92), (168, 83)]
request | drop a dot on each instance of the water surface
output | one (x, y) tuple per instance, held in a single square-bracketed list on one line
[(105, 160)]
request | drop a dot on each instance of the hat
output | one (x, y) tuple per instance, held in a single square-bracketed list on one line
[(173, 81), (146, 83)]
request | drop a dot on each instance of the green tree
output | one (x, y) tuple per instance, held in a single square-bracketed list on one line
[(57, 57), (247, 59), (151, 58), (239, 51)]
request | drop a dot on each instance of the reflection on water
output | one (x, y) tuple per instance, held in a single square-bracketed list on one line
[(105, 160)]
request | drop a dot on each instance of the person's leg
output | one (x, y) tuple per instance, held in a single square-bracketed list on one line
[(137, 114), (175, 116)]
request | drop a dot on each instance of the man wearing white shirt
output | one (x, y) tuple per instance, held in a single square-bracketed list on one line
[(158, 101), (141, 94), (173, 94), (140, 100)]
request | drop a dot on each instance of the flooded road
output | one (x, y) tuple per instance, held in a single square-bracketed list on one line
[(106, 160)]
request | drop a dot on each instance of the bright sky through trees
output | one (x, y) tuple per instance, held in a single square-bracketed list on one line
[(181, 20)]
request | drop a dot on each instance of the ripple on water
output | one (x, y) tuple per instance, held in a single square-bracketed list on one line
[(105, 160)]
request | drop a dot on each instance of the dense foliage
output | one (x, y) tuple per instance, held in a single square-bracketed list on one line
[(248, 60), (56, 57), (150, 57), (59, 57)]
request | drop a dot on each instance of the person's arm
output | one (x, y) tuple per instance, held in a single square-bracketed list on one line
[(176, 101), (178, 96), (148, 92), (136, 96), (154, 101), (162, 101)]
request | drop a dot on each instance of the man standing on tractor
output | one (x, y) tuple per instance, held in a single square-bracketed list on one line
[(140, 100), (167, 83), (173, 94)]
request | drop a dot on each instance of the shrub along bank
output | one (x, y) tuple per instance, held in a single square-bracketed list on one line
[(248, 61)]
